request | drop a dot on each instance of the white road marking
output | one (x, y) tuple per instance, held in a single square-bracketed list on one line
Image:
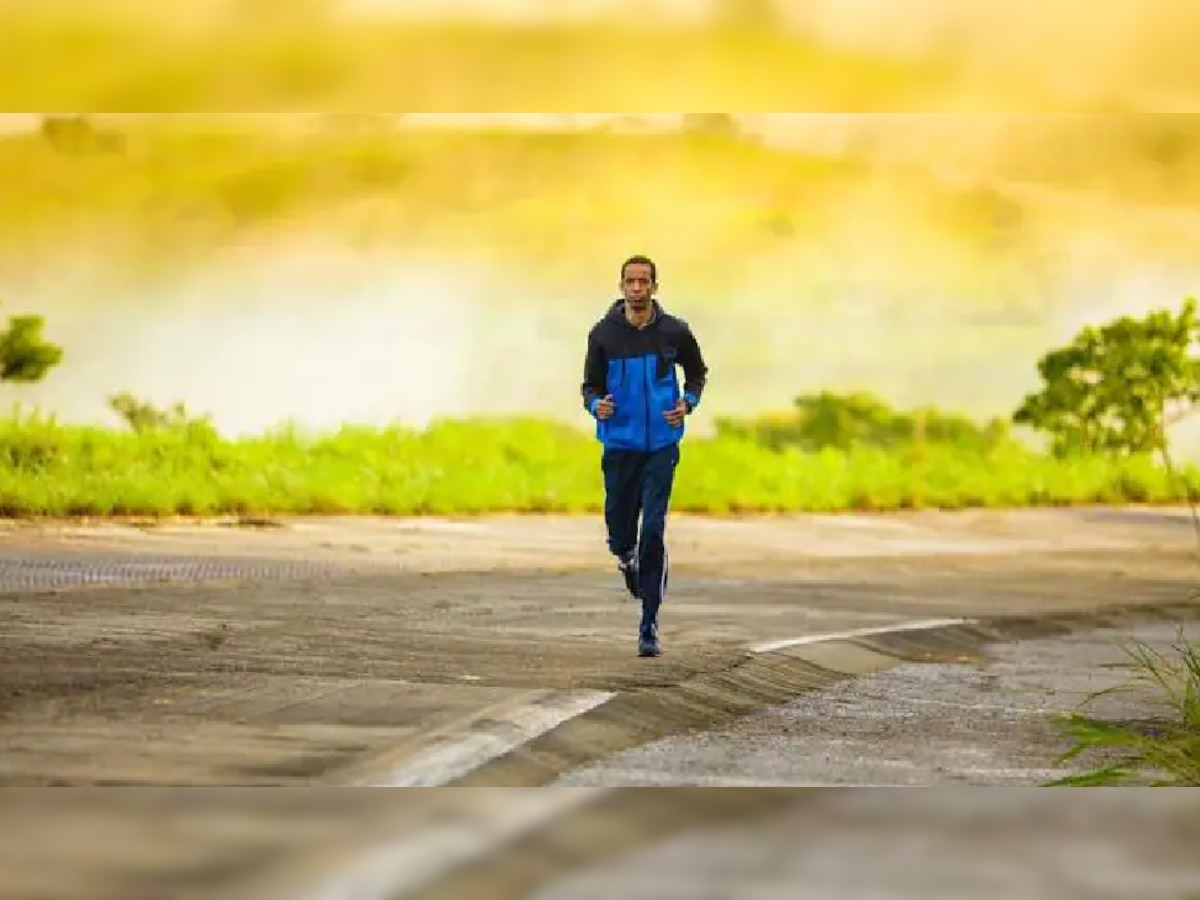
[(900, 627), (393, 869), (461, 754)]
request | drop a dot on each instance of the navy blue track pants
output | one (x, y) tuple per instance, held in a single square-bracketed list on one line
[(637, 486)]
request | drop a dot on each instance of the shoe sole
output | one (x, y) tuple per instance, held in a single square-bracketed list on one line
[(631, 579)]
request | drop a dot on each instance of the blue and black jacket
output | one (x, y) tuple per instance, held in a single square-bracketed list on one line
[(637, 367)]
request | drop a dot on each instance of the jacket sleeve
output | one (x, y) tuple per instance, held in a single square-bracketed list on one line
[(695, 370), (595, 374)]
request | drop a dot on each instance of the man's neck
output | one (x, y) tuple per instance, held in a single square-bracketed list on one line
[(639, 320)]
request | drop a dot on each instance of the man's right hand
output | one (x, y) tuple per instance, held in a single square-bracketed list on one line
[(605, 408)]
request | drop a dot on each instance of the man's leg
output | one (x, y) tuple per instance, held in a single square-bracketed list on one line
[(622, 507), (654, 563)]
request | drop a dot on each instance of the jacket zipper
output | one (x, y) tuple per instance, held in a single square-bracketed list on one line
[(646, 401)]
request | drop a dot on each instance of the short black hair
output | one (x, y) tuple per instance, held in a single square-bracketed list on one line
[(640, 260)]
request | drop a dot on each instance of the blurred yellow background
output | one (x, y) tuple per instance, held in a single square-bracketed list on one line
[(962, 190), (568, 55)]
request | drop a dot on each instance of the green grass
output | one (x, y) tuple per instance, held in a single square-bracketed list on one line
[(524, 466), (1165, 754)]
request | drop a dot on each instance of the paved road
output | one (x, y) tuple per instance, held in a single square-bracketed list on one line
[(335, 652), (916, 725), (936, 845)]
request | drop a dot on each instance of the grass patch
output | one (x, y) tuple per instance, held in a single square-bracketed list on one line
[(524, 465), (1160, 754)]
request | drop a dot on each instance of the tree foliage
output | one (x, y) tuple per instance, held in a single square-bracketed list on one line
[(25, 355), (827, 420), (1117, 388)]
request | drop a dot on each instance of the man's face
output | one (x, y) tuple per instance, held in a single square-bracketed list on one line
[(637, 286)]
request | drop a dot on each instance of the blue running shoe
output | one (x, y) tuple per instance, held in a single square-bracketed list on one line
[(648, 645)]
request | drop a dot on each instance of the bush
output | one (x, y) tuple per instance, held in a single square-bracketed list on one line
[(142, 416), (845, 422)]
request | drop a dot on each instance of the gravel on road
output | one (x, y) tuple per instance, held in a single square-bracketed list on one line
[(917, 725)]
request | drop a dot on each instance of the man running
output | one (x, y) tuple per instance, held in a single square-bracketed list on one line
[(630, 387)]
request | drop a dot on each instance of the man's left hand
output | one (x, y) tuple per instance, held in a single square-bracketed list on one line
[(676, 416)]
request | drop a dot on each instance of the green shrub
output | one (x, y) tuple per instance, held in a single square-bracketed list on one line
[(847, 421)]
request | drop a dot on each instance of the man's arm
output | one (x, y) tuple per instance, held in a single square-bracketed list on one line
[(595, 375), (695, 370)]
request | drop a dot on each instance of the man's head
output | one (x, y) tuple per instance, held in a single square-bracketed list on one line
[(639, 282)]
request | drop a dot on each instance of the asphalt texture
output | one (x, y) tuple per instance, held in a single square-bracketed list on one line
[(990, 723), (499, 653), (945, 844)]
